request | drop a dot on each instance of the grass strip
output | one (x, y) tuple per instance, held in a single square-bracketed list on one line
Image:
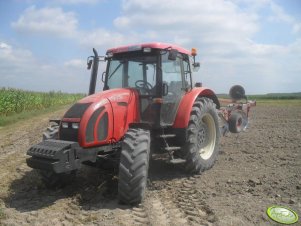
[(14, 118), (279, 102)]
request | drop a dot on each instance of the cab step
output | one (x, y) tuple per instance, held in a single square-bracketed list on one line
[(172, 148), (177, 161), (164, 136)]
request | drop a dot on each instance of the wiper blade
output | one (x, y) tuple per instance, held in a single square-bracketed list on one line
[(115, 70)]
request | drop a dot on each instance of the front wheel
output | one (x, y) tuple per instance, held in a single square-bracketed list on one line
[(202, 139), (133, 167)]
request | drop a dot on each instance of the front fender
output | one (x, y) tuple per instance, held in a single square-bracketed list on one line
[(183, 113)]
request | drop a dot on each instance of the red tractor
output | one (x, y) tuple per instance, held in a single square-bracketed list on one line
[(149, 103)]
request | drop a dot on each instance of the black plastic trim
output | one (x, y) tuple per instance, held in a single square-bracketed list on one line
[(91, 124), (102, 128), (77, 110), (59, 156), (69, 133)]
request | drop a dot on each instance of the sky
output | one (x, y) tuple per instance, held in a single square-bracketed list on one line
[(255, 43)]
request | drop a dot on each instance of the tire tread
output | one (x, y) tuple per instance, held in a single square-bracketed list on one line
[(133, 168)]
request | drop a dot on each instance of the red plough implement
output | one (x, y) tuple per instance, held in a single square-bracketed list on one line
[(234, 115)]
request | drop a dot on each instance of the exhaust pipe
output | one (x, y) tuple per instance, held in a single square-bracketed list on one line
[(94, 63)]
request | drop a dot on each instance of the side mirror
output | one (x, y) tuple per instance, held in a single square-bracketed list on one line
[(196, 66), (198, 84), (165, 89), (89, 64), (172, 54)]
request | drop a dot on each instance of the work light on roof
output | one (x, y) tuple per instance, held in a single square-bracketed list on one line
[(193, 52), (147, 50)]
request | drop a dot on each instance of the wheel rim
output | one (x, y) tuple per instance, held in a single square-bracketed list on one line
[(207, 136)]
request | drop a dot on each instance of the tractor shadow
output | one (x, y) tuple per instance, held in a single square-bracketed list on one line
[(92, 189), (160, 169)]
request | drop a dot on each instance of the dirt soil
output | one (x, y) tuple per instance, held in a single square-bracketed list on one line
[(255, 169)]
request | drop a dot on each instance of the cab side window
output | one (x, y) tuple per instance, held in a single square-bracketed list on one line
[(187, 73), (135, 73), (172, 73)]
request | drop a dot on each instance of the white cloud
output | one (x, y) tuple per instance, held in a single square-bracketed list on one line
[(103, 39), (20, 69), (75, 2), (8, 53), (195, 22), (3, 45), (264, 50), (296, 28), (193, 15), (222, 31), (54, 21), (75, 63), (47, 21), (279, 15)]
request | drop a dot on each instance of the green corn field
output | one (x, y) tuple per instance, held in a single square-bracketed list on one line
[(16, 101)]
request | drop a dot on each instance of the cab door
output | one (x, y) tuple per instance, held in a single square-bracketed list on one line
[(173, 77)]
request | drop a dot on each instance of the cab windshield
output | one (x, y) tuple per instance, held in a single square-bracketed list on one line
[(138, 71)]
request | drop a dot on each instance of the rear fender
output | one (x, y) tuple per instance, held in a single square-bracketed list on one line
[(183, 113)]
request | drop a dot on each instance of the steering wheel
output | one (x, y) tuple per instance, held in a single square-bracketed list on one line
[(141, 84)]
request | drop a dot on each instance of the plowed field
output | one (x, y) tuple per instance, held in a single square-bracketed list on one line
[(254, 170)]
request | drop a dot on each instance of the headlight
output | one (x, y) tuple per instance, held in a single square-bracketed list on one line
[(75, 125), (65, 125)]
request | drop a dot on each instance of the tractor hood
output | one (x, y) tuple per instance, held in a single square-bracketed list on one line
[(102, 117), (113, 95)]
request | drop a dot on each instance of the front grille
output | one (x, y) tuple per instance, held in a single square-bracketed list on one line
[(69, 133), (76, 111)]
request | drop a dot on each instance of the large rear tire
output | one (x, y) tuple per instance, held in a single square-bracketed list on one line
[(133, 167), (49, 178), (202, 139)]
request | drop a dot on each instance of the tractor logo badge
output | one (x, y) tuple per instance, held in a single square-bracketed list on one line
[(282, 215)]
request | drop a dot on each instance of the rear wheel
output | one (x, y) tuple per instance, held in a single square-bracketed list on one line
[(50, 178), (133, 167), (201, 146), (237, 122)]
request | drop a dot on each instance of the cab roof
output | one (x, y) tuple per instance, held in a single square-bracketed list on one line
[(153, 45)]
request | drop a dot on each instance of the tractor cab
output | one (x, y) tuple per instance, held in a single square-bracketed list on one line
[(161, 73)]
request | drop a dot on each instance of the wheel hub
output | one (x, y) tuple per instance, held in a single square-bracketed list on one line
[(206, 136), (202, 136)]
